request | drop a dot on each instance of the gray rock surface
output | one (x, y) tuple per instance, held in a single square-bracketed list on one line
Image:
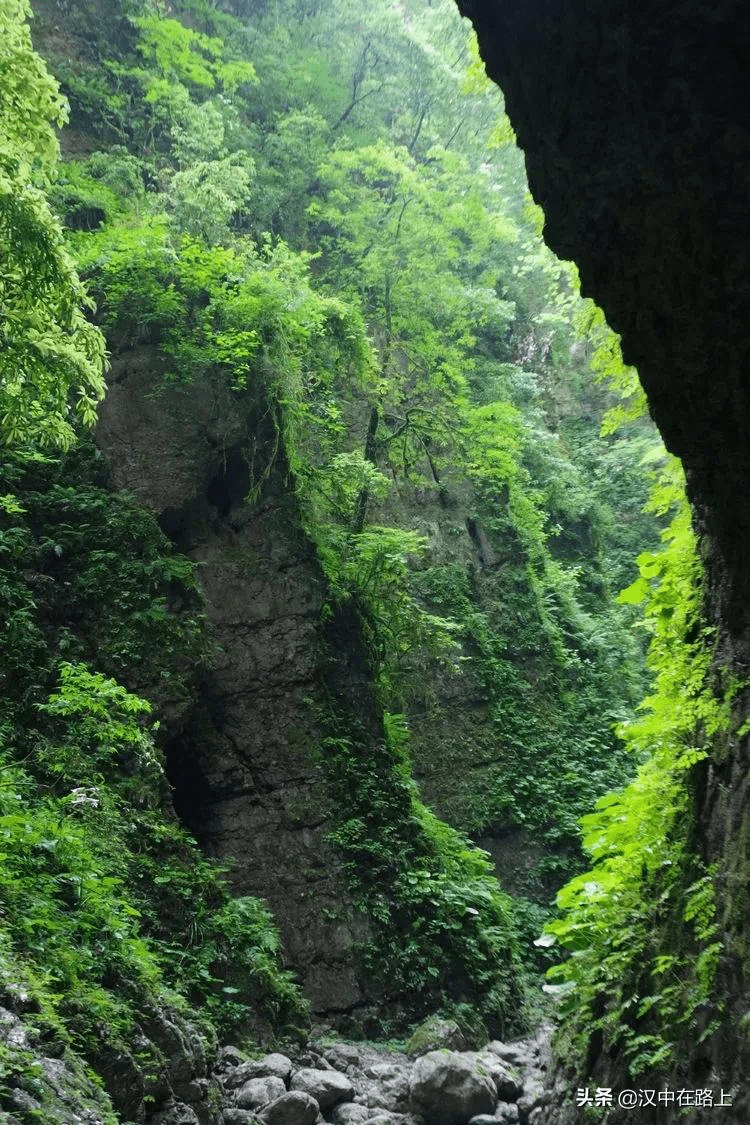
[(388, 1087), (293, 1108), (582, 83), (507, 1079), (534, 1096), (359, 1084), (505, 1114), (349, 1113), (257, 1092), (447, 1088), (229, 1057), (343, 1055), (326, 1086), (176, 1114), (276, 1066), (435, 1033), (247, 729), (234, 1116), (59, 1091)]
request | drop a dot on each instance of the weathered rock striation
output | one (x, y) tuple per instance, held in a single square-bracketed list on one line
[(637, 147), (241, 754)]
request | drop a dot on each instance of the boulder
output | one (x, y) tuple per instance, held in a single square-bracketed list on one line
[(532, 1098), (448, 1089), (508, 1083), (278, 1065), (348, 1113), (177, 1113), (436, 1033), (327, 1086), (342, 1056), (229, 1057), (293, 1108), (314, 1060), (233, 1116), (505, 1114), (389, 1088), (523, 1053), (257, 1092), (509, 1114), (275, 1065)]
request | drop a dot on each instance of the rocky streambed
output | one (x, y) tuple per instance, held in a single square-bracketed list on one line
[(434, 1081), (354, 1084)]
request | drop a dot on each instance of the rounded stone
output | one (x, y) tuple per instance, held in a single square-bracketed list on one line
[(327, 1086), (257, 1092), (293, 1108), (447, 1089)]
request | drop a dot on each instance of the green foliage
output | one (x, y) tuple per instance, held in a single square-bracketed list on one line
[(371, 570), (545, 745), (205, 196), (441, 930), (428, 307), (86, 806), (247, 313), (44, 1034), (106, 902), (608, 365), (234, 972), (88, 576), (179, 54), (31, 102), (395, 235), (65, 912), (51, 356), (641, 925)]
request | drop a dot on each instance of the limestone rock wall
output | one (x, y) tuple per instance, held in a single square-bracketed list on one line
[(632, 118), (241, 752)]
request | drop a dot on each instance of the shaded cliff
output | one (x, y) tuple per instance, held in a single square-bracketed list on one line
[(241, 759), (637, 148), (369, 459)]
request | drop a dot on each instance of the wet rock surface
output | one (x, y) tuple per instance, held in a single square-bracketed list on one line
[(240, 753), (358, 1084)]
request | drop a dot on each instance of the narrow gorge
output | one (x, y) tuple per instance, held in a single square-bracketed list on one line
[(373, 690)]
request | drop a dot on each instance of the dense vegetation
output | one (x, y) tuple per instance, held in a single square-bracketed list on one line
[(323, 210), (641, 928)]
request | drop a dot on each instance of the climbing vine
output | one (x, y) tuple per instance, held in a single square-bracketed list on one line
[(640, 926)]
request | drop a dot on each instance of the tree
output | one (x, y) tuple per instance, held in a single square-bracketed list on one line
[(51, 370)]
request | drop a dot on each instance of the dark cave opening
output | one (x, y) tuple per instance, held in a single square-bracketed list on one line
[(189, 787), (231, 484)]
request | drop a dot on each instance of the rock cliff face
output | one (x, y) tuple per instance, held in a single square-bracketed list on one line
[(638, 150), (241, 757)]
